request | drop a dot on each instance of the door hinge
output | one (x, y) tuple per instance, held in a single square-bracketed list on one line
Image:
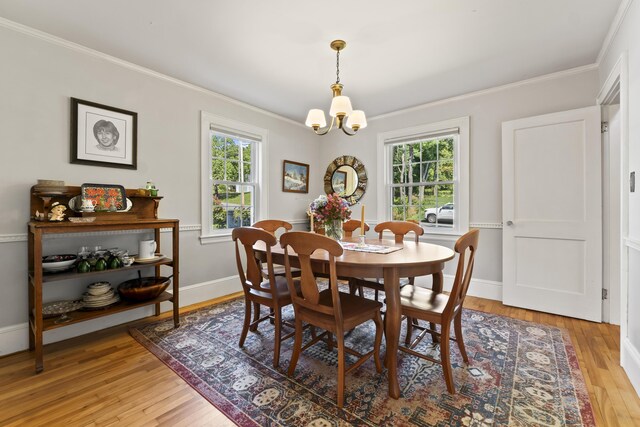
[(605, 294), (604, 127)]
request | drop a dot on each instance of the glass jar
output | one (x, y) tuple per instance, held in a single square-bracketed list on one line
[(333, 228)]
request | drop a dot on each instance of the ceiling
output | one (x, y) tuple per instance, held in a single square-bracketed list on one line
[(275, 54)]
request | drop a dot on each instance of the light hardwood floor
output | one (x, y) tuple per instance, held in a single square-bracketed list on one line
[(107, 378)]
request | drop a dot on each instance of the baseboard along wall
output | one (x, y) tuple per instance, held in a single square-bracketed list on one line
[(15, 338)]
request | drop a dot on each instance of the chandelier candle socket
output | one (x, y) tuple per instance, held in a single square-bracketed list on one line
[(340, 106)]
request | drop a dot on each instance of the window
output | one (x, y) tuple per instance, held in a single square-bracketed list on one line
[(232, 172), (426, 175)]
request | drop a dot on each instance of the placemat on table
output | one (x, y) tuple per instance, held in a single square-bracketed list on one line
[(377, 249)]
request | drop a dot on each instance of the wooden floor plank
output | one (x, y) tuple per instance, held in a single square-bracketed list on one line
[(107, 378)]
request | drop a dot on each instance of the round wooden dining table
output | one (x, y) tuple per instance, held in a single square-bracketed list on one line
[(412, 260)]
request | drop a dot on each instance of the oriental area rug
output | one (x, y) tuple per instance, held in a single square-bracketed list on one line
[(520, 374)]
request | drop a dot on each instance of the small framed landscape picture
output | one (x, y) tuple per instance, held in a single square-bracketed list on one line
[(295, 177), (103, 135)]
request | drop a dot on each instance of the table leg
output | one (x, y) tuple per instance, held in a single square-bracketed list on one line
[(437, 288), (437, 282), (392, 328)]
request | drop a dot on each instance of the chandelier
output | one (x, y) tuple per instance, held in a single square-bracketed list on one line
[(340, 106)]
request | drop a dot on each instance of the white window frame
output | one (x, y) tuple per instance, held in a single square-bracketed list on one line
[(260, 164), (461, 168)]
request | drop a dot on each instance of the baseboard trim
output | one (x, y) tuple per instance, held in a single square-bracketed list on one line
[(477, 288), (15, 338), (630, 361)]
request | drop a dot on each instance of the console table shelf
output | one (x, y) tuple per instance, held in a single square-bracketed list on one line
[(81, 316), (142, 216), (66, 275)]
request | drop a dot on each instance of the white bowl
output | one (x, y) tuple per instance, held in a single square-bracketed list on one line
[(58, 262)]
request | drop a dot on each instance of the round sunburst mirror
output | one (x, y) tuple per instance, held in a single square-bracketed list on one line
[(346, 176)]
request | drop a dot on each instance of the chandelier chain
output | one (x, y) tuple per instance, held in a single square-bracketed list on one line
[(338, 66)]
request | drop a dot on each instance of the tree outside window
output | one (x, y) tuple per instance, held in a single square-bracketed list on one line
[(423, 181), (233, 198)]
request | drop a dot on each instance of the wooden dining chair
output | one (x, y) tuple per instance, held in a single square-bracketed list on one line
[(399, 229), (422, 303), (351, 225), (335, 312), (273, 292), (272, 226)]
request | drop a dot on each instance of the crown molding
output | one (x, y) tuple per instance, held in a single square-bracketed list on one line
[(533, 80), (613, 29), (23, 29)]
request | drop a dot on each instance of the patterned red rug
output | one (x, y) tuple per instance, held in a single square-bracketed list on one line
[(520, 374)]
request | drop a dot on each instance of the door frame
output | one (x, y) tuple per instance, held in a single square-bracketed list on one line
[(617, 84)]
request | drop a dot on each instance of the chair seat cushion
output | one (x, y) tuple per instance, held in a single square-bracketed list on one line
[(280, 284), (350, 304), (423, 299), (354, 308)]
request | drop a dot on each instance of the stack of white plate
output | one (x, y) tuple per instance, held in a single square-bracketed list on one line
[(99, 295)]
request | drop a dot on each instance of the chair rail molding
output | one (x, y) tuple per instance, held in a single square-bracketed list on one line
[(632, 243), (22, 237)]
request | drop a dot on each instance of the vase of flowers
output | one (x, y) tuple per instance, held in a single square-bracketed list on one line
[(331, 211)]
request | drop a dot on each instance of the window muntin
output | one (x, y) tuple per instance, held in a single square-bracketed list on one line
[(233, 182), (423, 180), (233, 172)]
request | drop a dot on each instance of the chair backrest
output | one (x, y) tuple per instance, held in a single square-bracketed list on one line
[(252, 276), (304, 245), (466, 247), (352, 225), (273, 225), (400, 229)]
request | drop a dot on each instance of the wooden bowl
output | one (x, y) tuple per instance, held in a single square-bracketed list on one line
[(144, 288)]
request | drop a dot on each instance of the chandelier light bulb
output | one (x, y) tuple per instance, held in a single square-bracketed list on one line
[(340, 105), (316, 119), (357, 120)]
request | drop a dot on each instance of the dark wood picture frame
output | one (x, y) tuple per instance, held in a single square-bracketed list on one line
[(295, 177), (103, 136)]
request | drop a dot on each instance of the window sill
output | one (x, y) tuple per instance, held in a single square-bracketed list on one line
[(215, 238), (440, 237), (433, 234)]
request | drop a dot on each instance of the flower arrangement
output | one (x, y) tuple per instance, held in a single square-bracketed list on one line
[(330, 207)]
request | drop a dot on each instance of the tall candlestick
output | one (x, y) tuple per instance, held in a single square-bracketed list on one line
[(312, 230), (362, 222)]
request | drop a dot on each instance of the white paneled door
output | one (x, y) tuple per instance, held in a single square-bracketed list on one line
[(552, 214)]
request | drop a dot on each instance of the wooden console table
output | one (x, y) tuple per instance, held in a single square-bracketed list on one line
[(143, 216)]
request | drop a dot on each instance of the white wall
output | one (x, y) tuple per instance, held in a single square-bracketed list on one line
[(487, 110), (627, 42), (37, 78)]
